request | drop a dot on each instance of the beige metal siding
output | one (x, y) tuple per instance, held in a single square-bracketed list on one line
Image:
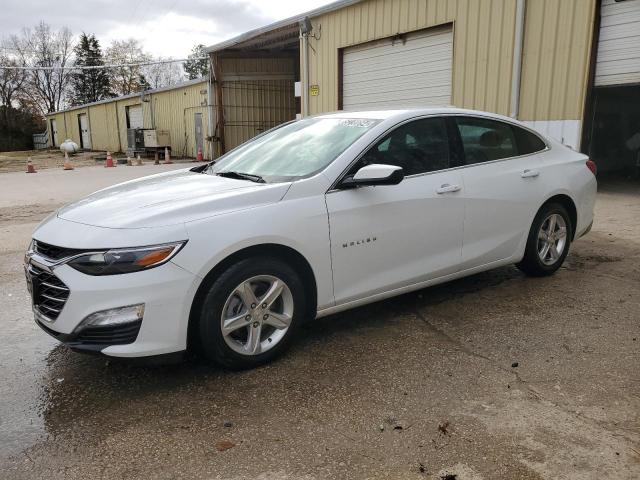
[(557, 44), (557, 48), (99, 126), (483, 44), (173, 110), (112, 141), (258, 94)]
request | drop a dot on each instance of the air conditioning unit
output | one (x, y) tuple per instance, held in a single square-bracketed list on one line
[(154, 138)]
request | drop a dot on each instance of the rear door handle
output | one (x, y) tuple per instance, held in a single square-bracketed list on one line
[(529, 173), (446, 188)]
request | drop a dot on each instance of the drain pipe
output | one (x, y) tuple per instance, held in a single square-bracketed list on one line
[(516, 72), (209, 110), (216, 71), (305, 29)]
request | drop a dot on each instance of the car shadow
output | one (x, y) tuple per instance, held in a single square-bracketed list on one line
[(378, 313), (92, 390)]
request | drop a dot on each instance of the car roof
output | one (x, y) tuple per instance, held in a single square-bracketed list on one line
[(400, 114)]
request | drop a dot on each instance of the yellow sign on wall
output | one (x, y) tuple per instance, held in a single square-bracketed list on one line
[(314, 90)]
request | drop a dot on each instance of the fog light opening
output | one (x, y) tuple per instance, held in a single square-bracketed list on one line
[(115, 316)]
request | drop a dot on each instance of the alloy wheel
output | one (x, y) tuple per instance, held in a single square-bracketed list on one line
[(552, 239), (257, 315)]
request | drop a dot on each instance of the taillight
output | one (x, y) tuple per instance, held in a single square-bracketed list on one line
[(591, 165)]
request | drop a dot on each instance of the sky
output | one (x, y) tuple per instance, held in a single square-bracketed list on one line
[(166, 28)]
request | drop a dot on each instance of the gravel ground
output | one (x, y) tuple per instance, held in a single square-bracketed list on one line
[(496, 376)]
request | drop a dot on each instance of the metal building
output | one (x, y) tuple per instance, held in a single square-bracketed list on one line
[(181, 109), (569, 68), (612, 119), (545, 62)]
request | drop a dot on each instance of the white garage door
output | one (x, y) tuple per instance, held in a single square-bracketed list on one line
[(135, 116), (618, 60), (415, 71)]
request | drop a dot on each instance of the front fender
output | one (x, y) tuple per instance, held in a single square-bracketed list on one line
[(300, 224)]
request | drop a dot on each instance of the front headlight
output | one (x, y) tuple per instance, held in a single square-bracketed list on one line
[(125, 260)]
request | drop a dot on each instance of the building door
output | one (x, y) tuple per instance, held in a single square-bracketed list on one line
[(613, 126), (85, 134), (54, 133), (410, 70), (198, 134), (615, 130), (134, 116), (618, 57)]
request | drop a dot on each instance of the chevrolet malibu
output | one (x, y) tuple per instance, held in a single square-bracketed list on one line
[(311, 218)]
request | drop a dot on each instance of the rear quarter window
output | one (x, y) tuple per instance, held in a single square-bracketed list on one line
[(527, 142)]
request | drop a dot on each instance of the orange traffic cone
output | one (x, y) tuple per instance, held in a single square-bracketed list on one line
[(139, 161), (67, 162), (167, 156), (30, 167), (200, 158), (109, 163)]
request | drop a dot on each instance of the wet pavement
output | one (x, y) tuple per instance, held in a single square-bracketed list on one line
[(493, 376)]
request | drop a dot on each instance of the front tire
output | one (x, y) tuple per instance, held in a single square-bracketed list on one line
[(251, 313), (548, 242)]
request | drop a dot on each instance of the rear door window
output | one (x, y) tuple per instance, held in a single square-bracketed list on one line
[(485, 140)]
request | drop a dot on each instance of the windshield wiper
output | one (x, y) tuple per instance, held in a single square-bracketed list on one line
[(242, 176)]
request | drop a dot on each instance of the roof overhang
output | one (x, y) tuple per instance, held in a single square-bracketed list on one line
[(279, 35), (139, 95)]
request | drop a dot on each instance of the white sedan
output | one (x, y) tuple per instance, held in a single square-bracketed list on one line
[(313, 217)]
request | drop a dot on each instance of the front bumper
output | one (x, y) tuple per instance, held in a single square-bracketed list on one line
[(94, 339), (167, 292)]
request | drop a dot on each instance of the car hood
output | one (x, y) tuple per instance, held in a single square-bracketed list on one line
[(168, 199)]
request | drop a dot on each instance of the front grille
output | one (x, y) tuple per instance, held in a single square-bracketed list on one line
[(54, 252), (109, 334), (48, 291)]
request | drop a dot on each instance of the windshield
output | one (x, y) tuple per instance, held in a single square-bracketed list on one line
[(296, 150)]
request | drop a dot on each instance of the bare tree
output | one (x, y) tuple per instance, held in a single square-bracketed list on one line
[(126, 79), (162, 74), (11, 81), (45, 89)]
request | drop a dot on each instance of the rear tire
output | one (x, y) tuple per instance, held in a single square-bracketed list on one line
[(548, 241), (251, 313)]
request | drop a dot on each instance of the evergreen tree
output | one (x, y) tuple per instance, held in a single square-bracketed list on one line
[(196, 68), (143, 83), (89, 85)]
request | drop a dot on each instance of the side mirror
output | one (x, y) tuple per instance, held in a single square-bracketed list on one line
[(375, 174)]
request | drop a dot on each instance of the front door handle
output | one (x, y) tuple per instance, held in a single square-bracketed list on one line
[(446, 188), (529, 173)]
